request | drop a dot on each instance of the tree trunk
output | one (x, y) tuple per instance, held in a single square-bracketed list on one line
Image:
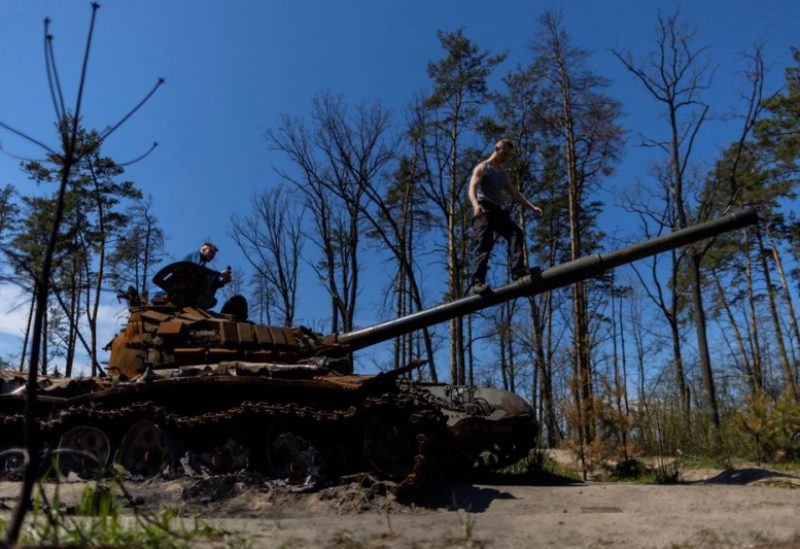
[(456, 339), (399, 310), (27, 332), (144, 290), (503, 359), (754, 388), (545, 375), (471, 365), (619, 387), (579, 321), (672, 319), (72, 315), (758, 372), (787, 296), (787, 368), (510, 335), (624, 360), (45, 340), (702, 344)]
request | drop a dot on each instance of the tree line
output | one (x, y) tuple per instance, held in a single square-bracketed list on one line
[(673, 356), (696, 350), (109, 238)]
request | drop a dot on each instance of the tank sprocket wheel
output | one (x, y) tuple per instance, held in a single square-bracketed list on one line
[(144, 450), (83, 450)]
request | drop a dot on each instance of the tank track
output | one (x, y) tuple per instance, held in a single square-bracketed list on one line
[(384, 424)]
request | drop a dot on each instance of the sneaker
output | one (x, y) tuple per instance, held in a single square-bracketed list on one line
[(481, 288)]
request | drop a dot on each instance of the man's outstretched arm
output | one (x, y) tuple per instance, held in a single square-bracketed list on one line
[(521, 200)]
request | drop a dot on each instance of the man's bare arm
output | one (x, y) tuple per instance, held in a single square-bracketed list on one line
[(521, 200), (472, 191)]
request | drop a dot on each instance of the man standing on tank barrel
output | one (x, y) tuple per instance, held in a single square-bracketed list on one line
[(486, 187)]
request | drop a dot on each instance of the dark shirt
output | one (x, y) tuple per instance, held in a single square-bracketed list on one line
[(213, 276), (196, 257), (492, 185)]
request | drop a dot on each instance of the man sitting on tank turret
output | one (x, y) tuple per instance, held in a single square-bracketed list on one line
[(206, 254), (190, 283), (216, 279)]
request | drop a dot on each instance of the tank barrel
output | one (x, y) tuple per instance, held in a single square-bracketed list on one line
[(555, 277)]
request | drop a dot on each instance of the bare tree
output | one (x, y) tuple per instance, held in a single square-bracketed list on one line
[(271, 239), (68, 158), (396, 215), (787, 296), (675, 74), (584, 119), (137, 250), (459, 90), (654, 220), (754, 381), (337, 157)]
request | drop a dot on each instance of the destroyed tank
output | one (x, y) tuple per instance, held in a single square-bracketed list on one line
[(191, 390), (195, 391)]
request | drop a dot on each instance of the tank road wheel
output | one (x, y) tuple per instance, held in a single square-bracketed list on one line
[(13, 456), (229, 457), (390, 445), (83, 450), (295, 450), (13, 460), (144, 450), (219, 459)]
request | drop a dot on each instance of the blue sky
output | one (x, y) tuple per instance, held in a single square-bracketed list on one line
[(232, 68)]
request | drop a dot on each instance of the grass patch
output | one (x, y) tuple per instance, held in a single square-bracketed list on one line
[(790, 467), (467, 539), (97, 501), (539, 463), (630, 469), (693, 461), (665, 473), (718, 462), (97, 521), (345, 540), (637, 471)]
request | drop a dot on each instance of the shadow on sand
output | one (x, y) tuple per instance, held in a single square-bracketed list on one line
[(743, 476), (476, 499), (540, 478)]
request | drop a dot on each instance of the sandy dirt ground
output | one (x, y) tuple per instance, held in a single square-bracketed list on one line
[(745, 507)]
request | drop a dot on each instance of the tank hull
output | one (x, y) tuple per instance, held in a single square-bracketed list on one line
[(219, 418)]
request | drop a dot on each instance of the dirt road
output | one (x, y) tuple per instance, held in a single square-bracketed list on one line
[(589, 515), (744, 508)]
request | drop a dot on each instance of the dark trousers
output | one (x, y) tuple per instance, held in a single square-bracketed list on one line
[(485, 228)]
